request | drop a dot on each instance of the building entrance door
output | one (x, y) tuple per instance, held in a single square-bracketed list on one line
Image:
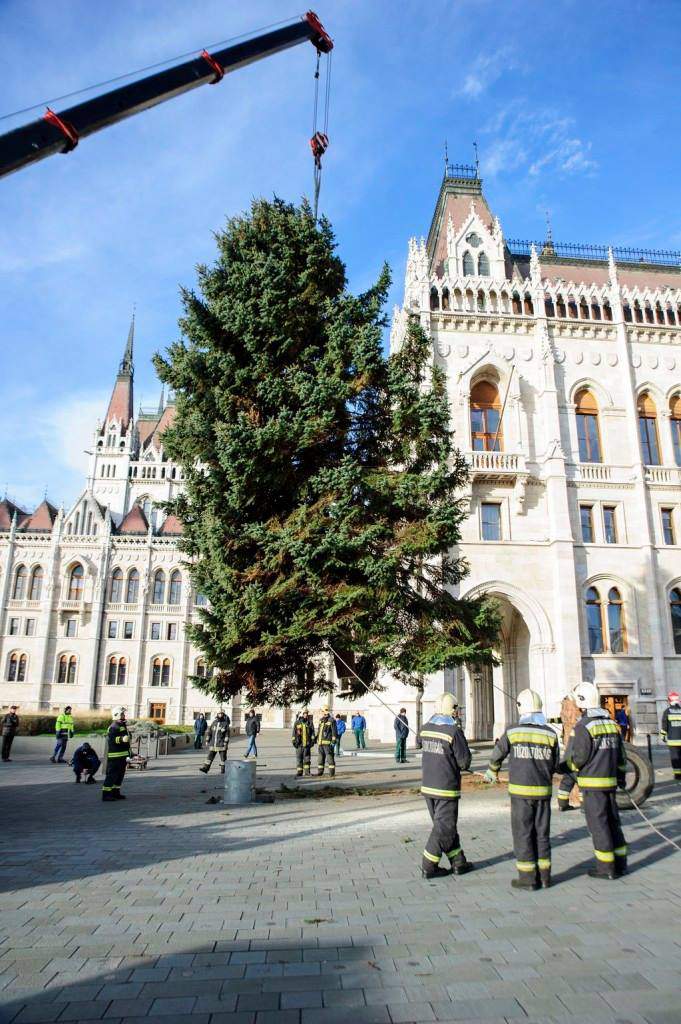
[(612, 703), (158, 713)]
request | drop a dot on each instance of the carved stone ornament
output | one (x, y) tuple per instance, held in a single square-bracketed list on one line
[(560, 355), (652, 361), (578, 357), (462, 351), (509, 352), (595, 358), (473, 239), (613, 359), (636, 360), (669, 362)]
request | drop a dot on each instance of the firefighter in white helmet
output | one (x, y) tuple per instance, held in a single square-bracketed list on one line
[(595, 753), (445, 755), (670, 732), (533, 753), (117, 754)]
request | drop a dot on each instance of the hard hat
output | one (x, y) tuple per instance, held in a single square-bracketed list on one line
[(528, 701), (446, 704), (586, 695), (673, 697), (325, 711), (118, 712)]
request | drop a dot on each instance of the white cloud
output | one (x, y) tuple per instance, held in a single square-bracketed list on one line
[(486, 69), (538, 142)]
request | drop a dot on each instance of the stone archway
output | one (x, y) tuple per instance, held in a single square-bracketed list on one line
[(525, 640)]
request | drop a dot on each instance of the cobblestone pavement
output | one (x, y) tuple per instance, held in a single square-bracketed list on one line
[(166, 909)]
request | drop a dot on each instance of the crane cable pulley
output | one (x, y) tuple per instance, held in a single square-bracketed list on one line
[(319, 141)]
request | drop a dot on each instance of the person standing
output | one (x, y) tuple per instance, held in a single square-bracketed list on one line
[(85, 760), (445, 755), (340, 730), (252, 730), (217, 741), (670, 732), (10, 724), (63, 728), (303, 740), (595, 753), (117, 754), (326, 739), (401, 734), (200, 727), (533, 753), (359, 726), (622, 719)]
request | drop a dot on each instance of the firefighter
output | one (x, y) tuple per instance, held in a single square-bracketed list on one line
[(533, 753), (670, 732), (327, 735), (595, 753), (445, 755), (117, 754), (217, 741), (303, 740)]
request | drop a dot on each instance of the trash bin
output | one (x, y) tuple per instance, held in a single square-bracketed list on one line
[(239, 782)]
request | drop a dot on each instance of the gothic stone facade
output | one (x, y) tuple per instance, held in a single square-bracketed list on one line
[(564, 375)]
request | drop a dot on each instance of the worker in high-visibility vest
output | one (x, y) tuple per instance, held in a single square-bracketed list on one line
[(117, 754), (533, 753), (63, 730), (670, 733)]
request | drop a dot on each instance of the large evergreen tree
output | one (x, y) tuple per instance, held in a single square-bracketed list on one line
[(323, 492)]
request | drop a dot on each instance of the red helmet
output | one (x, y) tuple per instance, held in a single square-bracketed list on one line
[(673, 697)]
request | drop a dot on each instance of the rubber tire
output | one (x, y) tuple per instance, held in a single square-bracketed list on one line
[(641, 786)]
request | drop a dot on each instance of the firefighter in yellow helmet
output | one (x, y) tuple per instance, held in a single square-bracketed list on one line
[(303, 740), (532, 749), (327, 735)]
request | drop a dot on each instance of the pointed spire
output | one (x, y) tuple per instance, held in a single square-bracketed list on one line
[(126, 367), (547, 248), (162, 400), (120, 404)]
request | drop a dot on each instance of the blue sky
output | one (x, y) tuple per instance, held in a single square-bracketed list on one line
[(574, 107)]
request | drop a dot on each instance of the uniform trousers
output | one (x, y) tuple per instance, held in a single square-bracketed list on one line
[(115, 773), (210, 757), (603, 822), (326, 753), (303, 758), (531, 829), (444, 836), (675, 755)]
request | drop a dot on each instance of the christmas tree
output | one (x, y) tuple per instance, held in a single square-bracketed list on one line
[(323, 493)]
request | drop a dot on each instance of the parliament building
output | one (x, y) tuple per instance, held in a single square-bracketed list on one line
[(563, 365)]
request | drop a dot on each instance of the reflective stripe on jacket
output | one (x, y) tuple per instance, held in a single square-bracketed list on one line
[(303, 732), (533, 755), (445, 755), (596, 751), (64, 723), (328, 733), (671, 725), (218, 734), (118, 740)]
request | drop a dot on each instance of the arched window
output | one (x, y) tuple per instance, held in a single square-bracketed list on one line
[(445, 298), (468, 265), (659, 314), (616, 630), (671, 319), (16, 667), (647, 429), (483, 265), (63, 669), (560, 306), (675, 423), (572, 309), (516, 304), (583, 309), (36, 587), (675, 611), (528, 306), (594, 621), (638, 312), (165, 672), (111, 674), (116, 586), (122, 668), (607, 311), (67, 666), (76, 583), (71, 674), (626, 310), (132, 588), (481, 301), (116, 671), (201, 668), (156, 672), (549, 308), (158, 591), (595, 311), (650, 318), (485, 413), (588, 434), (19, 591), (175, 588), (434, 298)]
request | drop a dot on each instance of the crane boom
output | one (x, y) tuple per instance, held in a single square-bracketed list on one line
[(60, 132)]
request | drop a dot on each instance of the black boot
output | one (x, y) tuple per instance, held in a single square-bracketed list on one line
[(563, 805), (434, 871), (299, 773), (545, 878), (603, 871), (525, 880), (77, 779), (118, 795), (204, 769), (108, 797), (461, 866), (621, 867)]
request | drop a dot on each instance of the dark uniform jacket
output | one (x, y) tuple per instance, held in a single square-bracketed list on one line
[(671, 725), (328, 733), (445, 755), (218, 734), (533, 754), (401, 725), (303, 733), (84, 760), (10, 724), (252, 726), (118, 740), (596, 751)]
